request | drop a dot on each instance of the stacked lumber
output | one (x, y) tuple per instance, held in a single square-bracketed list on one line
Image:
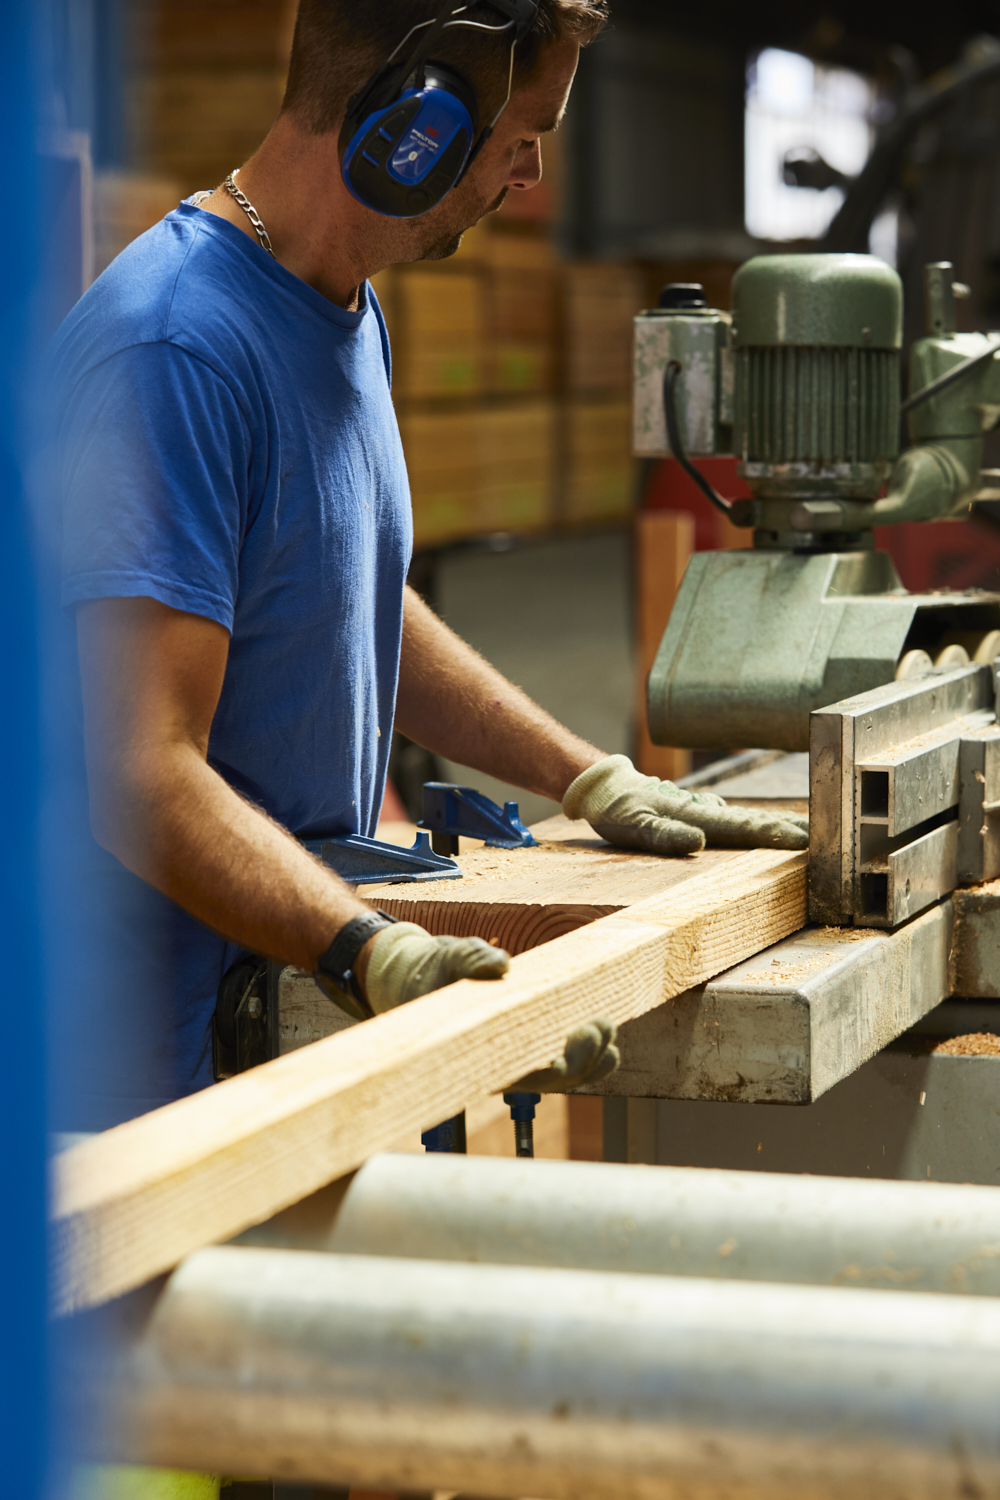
[(485, 469), (599, 474), (437, 328), (208, 85), (523, 277), (443, 461), (517, 445), (601, 299)]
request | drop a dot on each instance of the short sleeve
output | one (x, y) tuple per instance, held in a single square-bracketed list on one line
[(155, 459)]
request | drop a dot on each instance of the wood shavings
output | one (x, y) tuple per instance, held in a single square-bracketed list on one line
[(849, 934), (791, 972), (974, 1044)]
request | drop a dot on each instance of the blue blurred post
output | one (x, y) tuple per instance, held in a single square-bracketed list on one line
[(23, 1429)]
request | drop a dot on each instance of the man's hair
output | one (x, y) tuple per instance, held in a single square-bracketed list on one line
[(339, 44)]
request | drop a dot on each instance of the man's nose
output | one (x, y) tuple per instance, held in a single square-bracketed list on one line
[(527, 169)]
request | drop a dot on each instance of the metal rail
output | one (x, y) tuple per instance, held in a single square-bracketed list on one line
[(673, 1221), (504, 1380)]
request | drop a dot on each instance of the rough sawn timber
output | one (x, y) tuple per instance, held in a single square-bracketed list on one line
[(523, 897), (133, 1201)]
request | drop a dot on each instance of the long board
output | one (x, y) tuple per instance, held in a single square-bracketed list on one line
[(133, 1201), (520, 898)]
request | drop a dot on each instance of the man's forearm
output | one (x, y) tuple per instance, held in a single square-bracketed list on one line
[(151, 679), (453, 702), (181, 828)]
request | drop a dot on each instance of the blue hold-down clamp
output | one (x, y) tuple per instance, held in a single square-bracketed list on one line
[(362, 861), (453, 811), (449, 812)]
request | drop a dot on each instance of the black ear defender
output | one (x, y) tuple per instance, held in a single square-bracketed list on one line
[(412, 131)]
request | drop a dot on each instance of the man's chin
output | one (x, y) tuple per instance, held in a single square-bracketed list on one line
[(442, 249), (448, 245)]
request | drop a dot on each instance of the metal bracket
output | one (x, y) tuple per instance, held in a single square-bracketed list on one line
[(452, 811), (979, 807), (895, 799), (245, 1021), (362, 861)]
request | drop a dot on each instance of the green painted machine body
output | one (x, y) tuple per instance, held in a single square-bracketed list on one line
[(758, 639), (817, 301), (816, 341)]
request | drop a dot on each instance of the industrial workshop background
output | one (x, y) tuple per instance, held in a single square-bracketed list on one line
[(696, 137), (693, 140)]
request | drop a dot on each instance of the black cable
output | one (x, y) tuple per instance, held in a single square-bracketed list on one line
[(670, 375), (957, 372)]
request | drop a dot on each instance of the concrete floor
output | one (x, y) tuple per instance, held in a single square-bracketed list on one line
[(555, 617)]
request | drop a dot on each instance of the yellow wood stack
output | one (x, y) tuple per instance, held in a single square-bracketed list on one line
[(522, 286), (506, 358), (600, 300), (437, 328), (207, 84), (482, 469)]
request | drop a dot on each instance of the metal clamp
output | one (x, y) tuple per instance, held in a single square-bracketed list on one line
[(362, 861), (452, 811)]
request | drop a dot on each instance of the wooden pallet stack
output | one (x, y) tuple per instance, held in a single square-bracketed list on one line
[(517, 365), (206, 83)]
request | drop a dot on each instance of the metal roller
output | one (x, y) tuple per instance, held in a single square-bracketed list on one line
[(677, 1221), (502, 1380)]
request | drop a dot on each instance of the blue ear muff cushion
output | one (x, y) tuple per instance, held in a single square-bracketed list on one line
[(403, 159)]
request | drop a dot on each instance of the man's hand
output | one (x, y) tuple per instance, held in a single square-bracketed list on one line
[(590, 1054), (642, 812), (405, 962)]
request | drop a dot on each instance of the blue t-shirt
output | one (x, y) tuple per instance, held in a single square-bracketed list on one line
[(227, 445)]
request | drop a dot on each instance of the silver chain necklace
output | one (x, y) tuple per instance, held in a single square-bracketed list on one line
[(250, 211)]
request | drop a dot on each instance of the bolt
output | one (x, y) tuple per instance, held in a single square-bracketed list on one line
[(254, 1008)]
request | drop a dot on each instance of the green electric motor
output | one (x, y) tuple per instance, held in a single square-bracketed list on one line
[(817, 343)]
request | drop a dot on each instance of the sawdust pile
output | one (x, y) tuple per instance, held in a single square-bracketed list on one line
[(976, 1044)]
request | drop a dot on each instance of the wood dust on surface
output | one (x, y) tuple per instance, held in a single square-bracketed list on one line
[(974, 1044), (800, 964)]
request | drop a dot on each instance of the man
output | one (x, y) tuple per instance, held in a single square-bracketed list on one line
[(237, 535)]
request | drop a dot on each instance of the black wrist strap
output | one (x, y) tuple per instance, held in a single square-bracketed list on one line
[(336, 965)]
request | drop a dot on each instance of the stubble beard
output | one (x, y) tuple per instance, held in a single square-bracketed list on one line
[(447, 245)]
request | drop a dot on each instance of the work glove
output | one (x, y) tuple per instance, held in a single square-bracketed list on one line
[(642, 812), (590, 1054), (407, 962)]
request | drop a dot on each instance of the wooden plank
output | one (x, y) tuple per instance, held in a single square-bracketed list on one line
[(664, 541), (522, 897), (131, 1203), (516, 898)]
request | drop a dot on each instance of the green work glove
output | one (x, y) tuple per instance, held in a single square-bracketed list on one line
[(642, 812), (407, 962), (590, 1054)]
